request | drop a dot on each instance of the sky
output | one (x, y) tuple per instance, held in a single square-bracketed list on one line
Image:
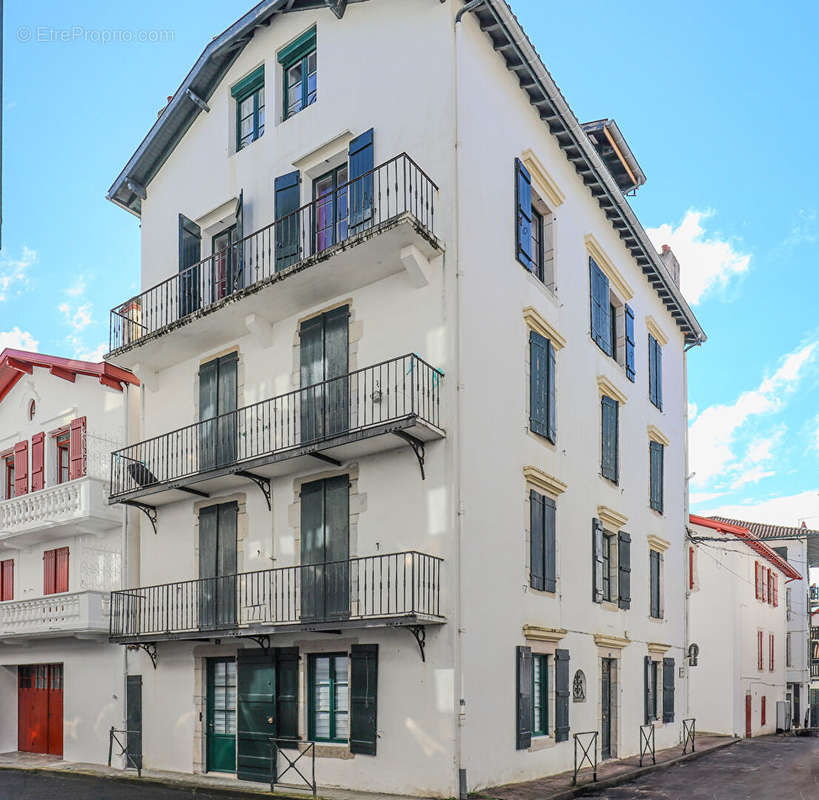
[(708, 98)]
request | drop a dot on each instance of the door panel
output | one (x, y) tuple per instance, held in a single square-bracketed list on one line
[(605, 710), (133, 720), (256, 714), (221, 715), (217, 566), (40, 709), (190, 252)]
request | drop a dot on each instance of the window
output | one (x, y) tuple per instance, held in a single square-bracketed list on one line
[(329, 698), (759, 656), (655, 578), (601, 325), (63, 456), (655, 372), (607, 577), (542, 542), (537, 244), (7, 580), (9, 477), (650, 697), (249, 97), (299, 66), (534, 247), (540, 696), (55, 571), (542, 392), (788, 650), (656, 454), (330, 213), (609, 460), (631, 369), (771, 652)]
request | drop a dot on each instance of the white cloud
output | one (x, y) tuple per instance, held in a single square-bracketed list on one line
[(695, 498), (14, 271), (77, 289), (712, 435), (18, 340), (95, 354), (786, 510), (804, 230), (707, 262), (78, 317)]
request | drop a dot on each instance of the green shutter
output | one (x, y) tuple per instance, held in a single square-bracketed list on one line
[(360, 154), (630, 342), (550, 561), (538, 384), (256, 712), (656, 458), (523, 663), (288, 223), (654, 582), (624, 569), (287, 693), (647, 694), (238, 261), (363, 698), (536, 540), (551, 417), (561, 695), (609, 461), (659, 362), (523, 215), (190, 253), (668, 690), (597, 560)]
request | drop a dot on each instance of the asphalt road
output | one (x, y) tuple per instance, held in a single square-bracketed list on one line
[(754, 769)]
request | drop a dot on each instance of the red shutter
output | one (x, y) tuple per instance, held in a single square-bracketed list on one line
[(61, 582), (76, 459), (759, 661), (771, 649), (49, 560), (763, 709), (756, 579), (20, 468), (764, 582), (37, 461), (690, 567), (770, 586), (776, 590), (7, 580)]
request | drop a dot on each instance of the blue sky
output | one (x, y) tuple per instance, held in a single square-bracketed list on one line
[(718, 103)]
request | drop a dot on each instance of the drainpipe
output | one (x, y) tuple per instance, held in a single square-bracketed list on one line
[(124, 571), (459, 536)]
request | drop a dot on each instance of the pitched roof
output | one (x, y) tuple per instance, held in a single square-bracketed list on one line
[(763, 530), (757, 545), (16, 363)]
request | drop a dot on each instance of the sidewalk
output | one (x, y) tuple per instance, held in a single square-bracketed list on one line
[(609, 773)]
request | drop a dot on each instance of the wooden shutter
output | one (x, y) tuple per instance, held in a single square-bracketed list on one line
[(363, 698), (656, 452), (600, 307), (549, 527), (49, 571), (287, 693), (20, 468), (652, 370), (37, 462), (255, 713), (659, 381), (756, 580), (668, 690), (631, 370), (61, 569), (771, 652), (523, 215), (524, 667), (561, 695), (77, 452), (287, 196), (654, 583), (597, 560), (762, 721), (538, 384), (361, 179), (537, 543), (190, 253), (7, 579), (609, 461), (624, 569), (759, 659), (776, 590), (237, 260), (551, 419), (648, 702)]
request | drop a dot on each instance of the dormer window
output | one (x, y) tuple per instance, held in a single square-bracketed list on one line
[(299, 67), (249, 97)]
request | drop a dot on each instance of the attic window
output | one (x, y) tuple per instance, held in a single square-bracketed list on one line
[(32, 409), (299, 69), (249, 97)]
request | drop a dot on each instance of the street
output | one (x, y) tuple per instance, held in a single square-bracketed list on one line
[(756, 769)]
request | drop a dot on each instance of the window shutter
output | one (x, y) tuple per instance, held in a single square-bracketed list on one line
[(561, 695), (361, 179), (538, 384), (776, 590), (658, 358), (654, 582), (600, 310), (551, 429), (656, 453), (7, 579), (523, 661), (537, 540), (288, 224), (647, 693), (597, 560), (238, 277), (609, 465), (77, 454), (37, 462), (363, 698), (652, 369), (756, 579), (759, 660), (631, 371), (624, 569), (549, 515), (523, 214), (49, 571), (668, 690), (20, 468), (61, 579), (762, 721), (190, 253), (771, 652), (287, 692)]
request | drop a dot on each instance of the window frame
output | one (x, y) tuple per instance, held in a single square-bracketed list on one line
[(299, 52), (62, 443), (607, 571), (543, 660), (311, 697), (258, 128), (8, 474)]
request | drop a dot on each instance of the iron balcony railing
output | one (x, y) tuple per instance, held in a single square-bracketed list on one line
[(313, 231), (385, 586), (361, 401)]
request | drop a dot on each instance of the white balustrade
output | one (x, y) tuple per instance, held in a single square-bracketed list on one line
[(70, 612)]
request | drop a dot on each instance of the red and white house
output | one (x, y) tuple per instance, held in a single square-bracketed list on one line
[(60, 552), (737, 618)]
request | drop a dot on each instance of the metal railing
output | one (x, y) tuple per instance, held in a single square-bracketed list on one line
[(280, 747), (369, 587), (647, 742), (314, 231), (389, 391), (131, 748), (814, 668), (689, 733), (585, 757)]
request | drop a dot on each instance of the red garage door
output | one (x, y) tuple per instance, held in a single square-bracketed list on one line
[(40, 709)]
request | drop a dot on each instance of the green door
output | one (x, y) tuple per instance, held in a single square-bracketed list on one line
[(256, 714), (221, 713)]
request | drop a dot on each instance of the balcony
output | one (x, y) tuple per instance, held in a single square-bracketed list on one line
[(395, 589), (81, 614), (371, 410), (374, 226), (78, 506)]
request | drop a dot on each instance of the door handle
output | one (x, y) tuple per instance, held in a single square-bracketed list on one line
[(270, 720)]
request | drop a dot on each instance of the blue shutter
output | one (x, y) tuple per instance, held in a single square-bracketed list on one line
[(561, 695), (550, 562), (597, 560), (658, 358), (630, 361), (609, 461), (654, 583), (652, 370), (287, 221), (600, 307), (523, 215), (551, 418), (624, 570), (668, 690), (523, 671), (656, 458), (538, 384), (361, 181), (536, 540)]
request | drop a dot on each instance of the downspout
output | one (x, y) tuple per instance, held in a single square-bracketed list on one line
[(459, 603), (124, 572)]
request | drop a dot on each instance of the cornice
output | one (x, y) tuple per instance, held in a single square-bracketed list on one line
[(539, 324), (546, 185), (616, 279), (548, 484), (657, 543), (606, 387), (610, 641), (655, 434), (538, 633), (612, 520)]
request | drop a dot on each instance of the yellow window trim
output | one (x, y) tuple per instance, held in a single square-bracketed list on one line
[(656, 435), (538, 633), (548, 484), (606, 387), (658, 648), (656, 331), (546, 186), (616, 279), (612, 520), (539, 325), (608, 640), (657, 543)]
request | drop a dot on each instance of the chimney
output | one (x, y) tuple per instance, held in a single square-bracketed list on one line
[(159, 113), (671, 263), (803, 525)]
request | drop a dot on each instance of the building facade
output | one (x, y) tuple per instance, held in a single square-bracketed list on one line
[(61, 682), (413, 438), (737, 587)]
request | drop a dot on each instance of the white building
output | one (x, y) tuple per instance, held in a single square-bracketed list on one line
[(737, 611), (61, 682), (436, 566)]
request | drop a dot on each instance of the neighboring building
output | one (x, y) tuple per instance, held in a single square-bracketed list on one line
[(814, 665), (61, 683), (415, 456), (797, 546), (737, 619)]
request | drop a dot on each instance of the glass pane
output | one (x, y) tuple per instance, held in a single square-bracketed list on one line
[(322, 725), (219, 722), (341, 669), (294, 99), (219, 666), (246, 107), (342, 725), (311, 62), (219, 697)]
